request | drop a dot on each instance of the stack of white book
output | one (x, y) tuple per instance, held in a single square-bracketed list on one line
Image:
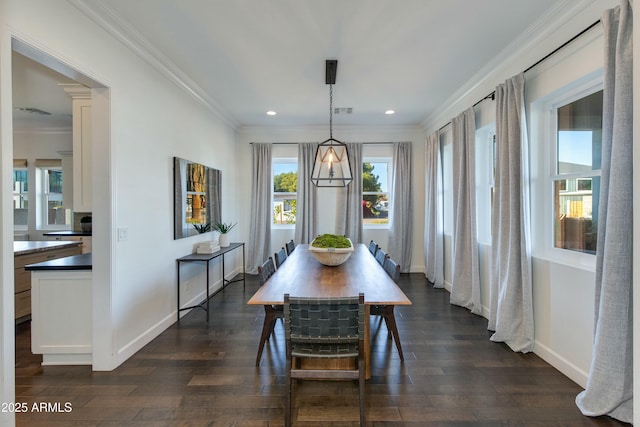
[(208, 247)]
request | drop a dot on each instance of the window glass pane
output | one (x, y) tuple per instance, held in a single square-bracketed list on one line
[(580, 135), (375, 192), (576, 207), (285, 182), (447, 186), (576, 186), (284, 209), (20, 197), (56, 214)]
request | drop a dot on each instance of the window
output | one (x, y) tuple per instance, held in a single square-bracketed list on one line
[(446, 150), (20, 196), (375, 191), (576, 173), (485, 177), (52, 209), (285, 182)]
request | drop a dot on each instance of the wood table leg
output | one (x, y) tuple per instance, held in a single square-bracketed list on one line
[(367, 342)]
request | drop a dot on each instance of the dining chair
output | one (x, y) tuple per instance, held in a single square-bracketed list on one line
[(373, 247), (381, 256), (321, 328), (386, 312), (392, 268), (280, 257), (271, 312), (290, 246)]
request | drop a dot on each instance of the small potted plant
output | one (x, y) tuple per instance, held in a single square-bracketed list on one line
[(223, 228), (202, 228), (86, 223)]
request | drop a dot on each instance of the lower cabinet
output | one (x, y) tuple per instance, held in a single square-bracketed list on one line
[(61, 322), (22, 278)]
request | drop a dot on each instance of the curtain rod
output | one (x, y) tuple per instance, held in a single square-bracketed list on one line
[(296, 143), (492, 95)]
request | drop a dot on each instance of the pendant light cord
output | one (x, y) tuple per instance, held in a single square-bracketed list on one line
[(331, 112)]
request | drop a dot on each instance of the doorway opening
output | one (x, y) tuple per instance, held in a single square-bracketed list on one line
[(54, 212)]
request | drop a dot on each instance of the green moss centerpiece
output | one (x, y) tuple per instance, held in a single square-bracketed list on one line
[(331, 249)]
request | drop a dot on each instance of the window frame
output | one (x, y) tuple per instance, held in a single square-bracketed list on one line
[(282, 160), (389, 162), (485, 181), (25, 197), (43, 199), (560, 99)]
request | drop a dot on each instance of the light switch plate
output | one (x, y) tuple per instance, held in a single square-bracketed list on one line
[(123, 234)]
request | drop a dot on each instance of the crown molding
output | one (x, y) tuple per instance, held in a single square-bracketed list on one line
[(76, 91), (502, 65), (105, 17), (337, 130)]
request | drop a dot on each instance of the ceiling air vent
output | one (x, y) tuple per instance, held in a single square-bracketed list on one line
[(34, 111), (342, 110)]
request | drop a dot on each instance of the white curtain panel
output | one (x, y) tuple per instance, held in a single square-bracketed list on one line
[(465, 287), (260, 230), (400, 230), (306, 210), (511, 300), (610, 384), (433, 209), (349, 206)]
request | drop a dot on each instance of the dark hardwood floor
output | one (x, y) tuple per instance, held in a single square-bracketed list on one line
[(203, 374)]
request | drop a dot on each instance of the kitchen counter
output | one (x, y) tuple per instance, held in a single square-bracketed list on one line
[(75, 262), (61, 310), (29, 247), (34, 252), (67, 233)]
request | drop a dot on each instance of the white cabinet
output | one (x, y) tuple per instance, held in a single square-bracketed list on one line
[(61, 325), (82, 148)]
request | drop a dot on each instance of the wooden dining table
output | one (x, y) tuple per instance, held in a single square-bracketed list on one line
[(301, 275)]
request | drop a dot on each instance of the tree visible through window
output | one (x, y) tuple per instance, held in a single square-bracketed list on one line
[(285, 182), (375, 192)]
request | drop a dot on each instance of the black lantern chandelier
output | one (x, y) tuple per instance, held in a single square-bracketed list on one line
[(331, 167)]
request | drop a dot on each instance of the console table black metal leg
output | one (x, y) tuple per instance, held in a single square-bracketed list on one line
[(224, 280), (208, 262), (178, 310)]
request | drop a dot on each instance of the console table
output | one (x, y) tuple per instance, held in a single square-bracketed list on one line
[(206, 258)]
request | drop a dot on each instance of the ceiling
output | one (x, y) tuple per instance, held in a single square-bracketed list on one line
[(245, 57), (38, 87)]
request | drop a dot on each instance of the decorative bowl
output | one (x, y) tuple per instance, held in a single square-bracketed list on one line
[(331, 256)]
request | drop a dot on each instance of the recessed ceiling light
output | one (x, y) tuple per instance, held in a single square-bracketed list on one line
[(271, 113), (389, 112)]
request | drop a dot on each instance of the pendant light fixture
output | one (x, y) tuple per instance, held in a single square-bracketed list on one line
[(331, 167)]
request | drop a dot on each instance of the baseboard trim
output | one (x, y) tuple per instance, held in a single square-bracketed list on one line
[(135, 345), (567, 368)]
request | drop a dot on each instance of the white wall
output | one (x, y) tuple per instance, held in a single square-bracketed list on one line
[(7, 340), (327, 196), (563, 287), (636, 214), (151, 120)]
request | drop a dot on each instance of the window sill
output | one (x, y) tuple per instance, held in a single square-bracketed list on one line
[(580, 261), (283, 226), (375, 226)]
